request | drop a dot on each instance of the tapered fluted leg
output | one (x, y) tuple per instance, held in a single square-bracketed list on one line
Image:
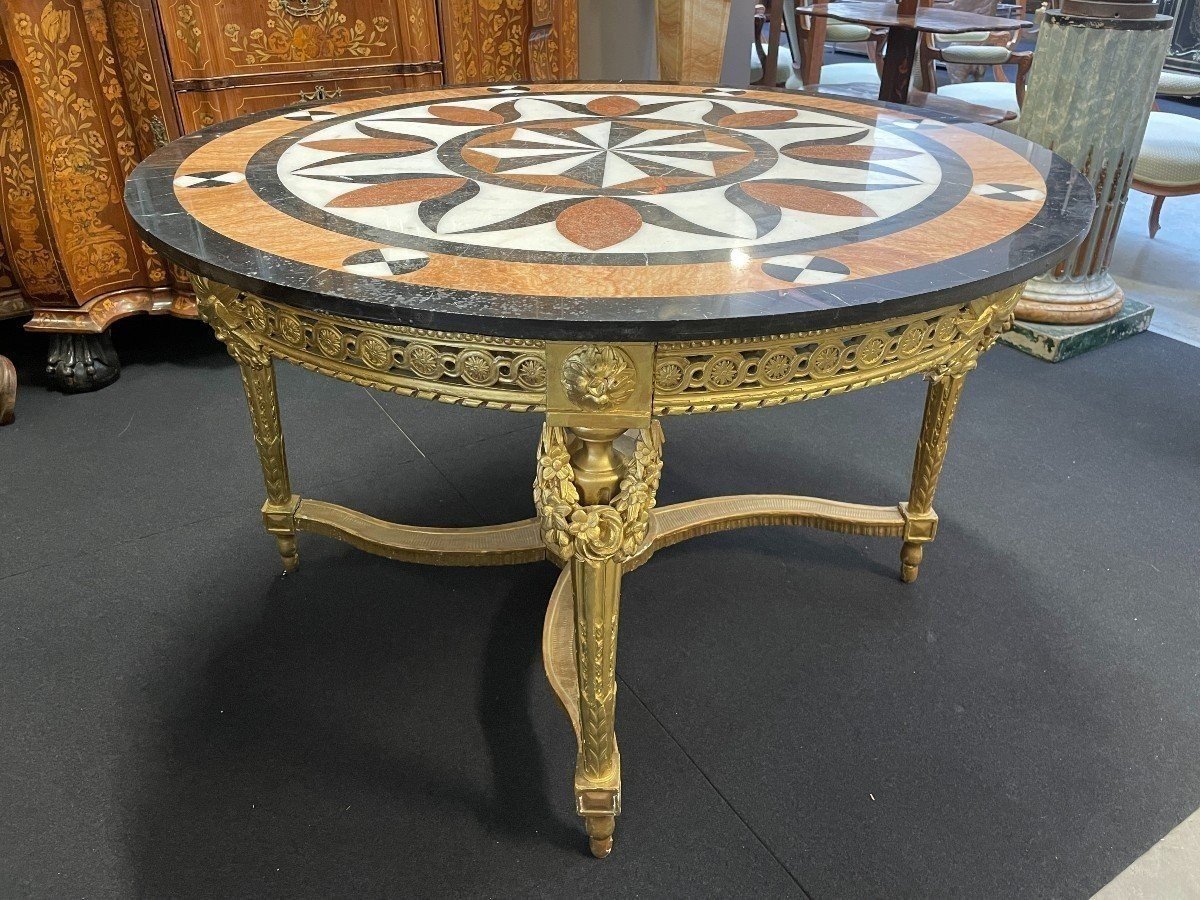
[(594, 504), (223, 308), (920, 525), (598, 768), (278, 511)]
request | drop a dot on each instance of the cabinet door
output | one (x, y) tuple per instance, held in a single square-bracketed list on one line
[(509, 40), (230, 38), (201, 108)]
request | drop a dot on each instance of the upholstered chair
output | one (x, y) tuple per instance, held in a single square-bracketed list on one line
[(1169, 162)]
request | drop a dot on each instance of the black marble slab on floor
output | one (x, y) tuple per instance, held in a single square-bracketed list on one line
[(179, 720)]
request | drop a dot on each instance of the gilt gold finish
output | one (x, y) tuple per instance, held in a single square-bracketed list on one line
[(594, 503), (600, 458)]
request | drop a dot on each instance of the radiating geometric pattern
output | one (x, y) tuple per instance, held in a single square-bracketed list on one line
[(607, 153), (661, 179)]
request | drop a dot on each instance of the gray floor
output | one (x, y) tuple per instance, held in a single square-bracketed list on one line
[(1169, 869), (180, 721), (1164, 271)]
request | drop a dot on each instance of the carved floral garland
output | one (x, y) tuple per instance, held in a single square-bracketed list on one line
[(601, 532)]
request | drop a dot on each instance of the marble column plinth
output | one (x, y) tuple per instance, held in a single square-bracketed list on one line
[(1055, 343)]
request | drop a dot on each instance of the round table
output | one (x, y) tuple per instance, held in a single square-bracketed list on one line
[(606, 254)]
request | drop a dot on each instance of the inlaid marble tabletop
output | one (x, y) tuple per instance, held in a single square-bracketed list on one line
[(631, 212), (606, 254)]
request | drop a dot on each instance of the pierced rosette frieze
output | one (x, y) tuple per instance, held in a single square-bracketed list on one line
[(698, 376), (470, 369)]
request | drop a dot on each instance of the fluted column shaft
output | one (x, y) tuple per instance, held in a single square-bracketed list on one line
[(1089, 96)]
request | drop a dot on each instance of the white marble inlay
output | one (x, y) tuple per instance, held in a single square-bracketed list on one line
[(840, 174)]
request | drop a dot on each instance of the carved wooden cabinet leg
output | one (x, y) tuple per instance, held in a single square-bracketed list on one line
[(80, 362), (920, 521), (594, 504), (8, 390)]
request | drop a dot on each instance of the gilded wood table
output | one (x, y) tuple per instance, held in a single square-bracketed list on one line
[(606, 254)]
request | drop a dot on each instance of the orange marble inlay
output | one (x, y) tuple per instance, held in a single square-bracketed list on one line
[(601, 222)]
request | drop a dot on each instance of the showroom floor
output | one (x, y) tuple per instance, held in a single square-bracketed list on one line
[(1162, 271), (181, 721)]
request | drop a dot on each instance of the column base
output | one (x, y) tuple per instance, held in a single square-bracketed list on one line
[(1054, 343), (1070, 301)]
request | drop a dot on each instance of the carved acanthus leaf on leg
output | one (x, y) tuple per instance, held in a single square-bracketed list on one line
[(596, 540), (982, 322), (221, 307)]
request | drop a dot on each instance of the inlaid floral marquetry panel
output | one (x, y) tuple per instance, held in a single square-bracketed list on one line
[(143, 77), (248, 37), (503, 40), (23, 218), (64, 53), (200, 109)]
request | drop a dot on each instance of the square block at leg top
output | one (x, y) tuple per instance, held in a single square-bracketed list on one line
[(598, 802), (1055, 343), (281, 521), (919, 528)]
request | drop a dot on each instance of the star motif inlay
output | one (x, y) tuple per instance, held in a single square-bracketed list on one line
[(607, 154)]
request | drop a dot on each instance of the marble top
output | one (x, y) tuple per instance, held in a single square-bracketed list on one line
[(610, 211)]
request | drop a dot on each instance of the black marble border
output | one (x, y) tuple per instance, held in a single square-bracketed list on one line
[(263, 177), (1032, 250)]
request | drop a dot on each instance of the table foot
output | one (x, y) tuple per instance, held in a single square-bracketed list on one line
[(600, 834), (910, 561), (280, 522), (288, 552)]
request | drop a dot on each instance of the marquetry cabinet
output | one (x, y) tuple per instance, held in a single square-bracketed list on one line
[(89, 87)]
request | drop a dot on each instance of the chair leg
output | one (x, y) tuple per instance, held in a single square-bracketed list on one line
[(1155, 209)]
